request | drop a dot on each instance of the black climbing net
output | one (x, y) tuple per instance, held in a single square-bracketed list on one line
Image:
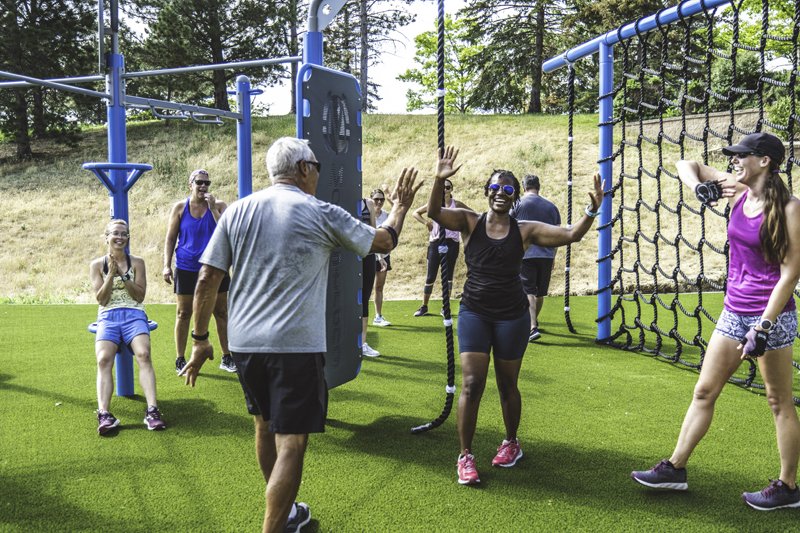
[(683, 91)]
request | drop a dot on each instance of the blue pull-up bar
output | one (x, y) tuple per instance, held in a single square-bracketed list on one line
[(643, 25)]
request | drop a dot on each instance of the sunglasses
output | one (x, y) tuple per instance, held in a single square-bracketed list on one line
[(315, 164), (508, 189), (203, 182), (448, 187), (378, 199)]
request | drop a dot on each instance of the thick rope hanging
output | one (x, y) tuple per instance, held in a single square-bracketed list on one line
[(450, 389), (672, 251)]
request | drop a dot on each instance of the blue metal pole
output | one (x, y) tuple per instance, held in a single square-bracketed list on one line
[(118, 153), (649, 23), (312, 54), (606, 131), (244, 134)]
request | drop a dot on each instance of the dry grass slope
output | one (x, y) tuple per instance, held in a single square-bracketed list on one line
[(55, 211)]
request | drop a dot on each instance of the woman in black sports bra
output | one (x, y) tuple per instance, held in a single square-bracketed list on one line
[(493, 316)]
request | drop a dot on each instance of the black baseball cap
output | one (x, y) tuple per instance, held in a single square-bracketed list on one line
[(758, 143)]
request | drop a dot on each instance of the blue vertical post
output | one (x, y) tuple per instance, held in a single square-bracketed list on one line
[(312, 54), (606, 130), (118, 153), (244, 134)]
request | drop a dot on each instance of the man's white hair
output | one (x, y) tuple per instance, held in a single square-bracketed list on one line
[(284, 154)]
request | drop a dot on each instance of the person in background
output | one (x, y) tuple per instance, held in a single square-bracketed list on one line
[(537, 264), (279, 243), (191, 223), (452, 241), (119, 281), (368, 269), (759, 316), (384, 261)]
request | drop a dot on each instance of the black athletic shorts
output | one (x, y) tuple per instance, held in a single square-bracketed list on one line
[(287, 389), (388, 260), (535, 275), (185, 282)]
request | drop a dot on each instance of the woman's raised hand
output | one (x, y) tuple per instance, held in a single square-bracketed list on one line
[(446, 160), (596, 195), (404, 191)]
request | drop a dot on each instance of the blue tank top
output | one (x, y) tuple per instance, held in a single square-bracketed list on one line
[(193, 238)]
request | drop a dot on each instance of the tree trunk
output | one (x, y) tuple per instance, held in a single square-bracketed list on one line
[(39, 121), (294, 49), (535, 103), (21, 137), (219, 79), (364, 47)]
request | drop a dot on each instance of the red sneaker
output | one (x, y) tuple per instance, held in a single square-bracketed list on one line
[(467, 473), (507, 454)]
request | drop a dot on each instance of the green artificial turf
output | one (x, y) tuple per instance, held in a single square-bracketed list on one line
[(591, 414)]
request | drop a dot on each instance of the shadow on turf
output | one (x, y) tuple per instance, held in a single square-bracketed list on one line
[(553, 471)]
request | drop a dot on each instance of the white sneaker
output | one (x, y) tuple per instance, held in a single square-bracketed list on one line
[(369, 352), (381, 322)]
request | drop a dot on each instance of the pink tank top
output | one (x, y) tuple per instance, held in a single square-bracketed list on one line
[(750, 278), (448, 234)]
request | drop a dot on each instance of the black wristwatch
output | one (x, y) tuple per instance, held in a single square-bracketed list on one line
[(200, 337), (126, 277), (766, 324)]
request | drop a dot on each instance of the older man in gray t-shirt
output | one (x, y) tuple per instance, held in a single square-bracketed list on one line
[(278, 243)]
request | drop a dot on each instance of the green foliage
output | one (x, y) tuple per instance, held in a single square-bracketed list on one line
[(459, 78)]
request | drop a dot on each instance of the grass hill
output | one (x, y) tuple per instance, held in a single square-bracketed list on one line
[(55, 212)]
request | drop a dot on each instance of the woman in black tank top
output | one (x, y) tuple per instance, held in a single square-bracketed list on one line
[(493, 316)]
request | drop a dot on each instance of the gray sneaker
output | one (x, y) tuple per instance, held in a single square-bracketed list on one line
[(227, 364), (302, 516), (106, 422), (662, 476), (776, 495)]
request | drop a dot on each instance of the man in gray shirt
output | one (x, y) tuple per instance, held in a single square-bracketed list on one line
[(537, 264), (278, 242)]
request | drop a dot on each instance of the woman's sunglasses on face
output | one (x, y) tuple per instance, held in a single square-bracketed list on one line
[(508, 189), (203, 182), (378, 199)]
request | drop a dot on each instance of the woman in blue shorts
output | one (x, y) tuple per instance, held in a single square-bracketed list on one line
[(493, 317), (120, 283)]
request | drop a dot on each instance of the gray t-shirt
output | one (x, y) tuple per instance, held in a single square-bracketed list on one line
[(535, 207), (279, 242)]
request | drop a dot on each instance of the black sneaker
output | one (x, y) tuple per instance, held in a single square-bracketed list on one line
[(227, 364), (662, 476), (302, 516), (777, 495), (422, 311), (534, 334), (180, 362)]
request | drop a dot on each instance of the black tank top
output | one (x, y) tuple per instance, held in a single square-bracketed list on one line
[(493, 287)]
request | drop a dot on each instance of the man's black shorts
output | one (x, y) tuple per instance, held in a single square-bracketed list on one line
[(535, 275), (186, 280), (288, 389)]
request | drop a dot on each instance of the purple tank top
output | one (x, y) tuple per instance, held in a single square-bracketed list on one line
[(750, 277), (193, 238)]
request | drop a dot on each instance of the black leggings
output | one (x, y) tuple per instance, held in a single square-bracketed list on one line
[(434, 258), (367, 281)]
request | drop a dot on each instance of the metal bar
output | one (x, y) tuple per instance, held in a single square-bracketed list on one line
[(606, 133), (214, 66), (244, 136), (82, 79), (187, 108), (53, 85), (643, 25)]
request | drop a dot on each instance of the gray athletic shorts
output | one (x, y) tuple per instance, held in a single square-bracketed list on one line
[(735, 326)]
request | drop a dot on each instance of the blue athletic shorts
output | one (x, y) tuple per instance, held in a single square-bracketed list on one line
[(735, 326), (121, 325), (507, 339)]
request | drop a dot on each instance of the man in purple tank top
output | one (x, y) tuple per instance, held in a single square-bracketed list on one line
[(759, 319), (191, 223)]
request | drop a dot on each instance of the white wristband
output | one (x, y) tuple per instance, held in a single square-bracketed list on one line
[(590, 213)]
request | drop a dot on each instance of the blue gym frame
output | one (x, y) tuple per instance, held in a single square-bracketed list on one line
[(117, 175), (604, 46)]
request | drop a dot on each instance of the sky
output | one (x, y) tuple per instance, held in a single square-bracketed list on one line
[(393, 63)]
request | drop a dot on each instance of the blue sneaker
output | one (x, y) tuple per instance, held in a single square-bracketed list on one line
[(662, 476), (777, 495), (302, 516)]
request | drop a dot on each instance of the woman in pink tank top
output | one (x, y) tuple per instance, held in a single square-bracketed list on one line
[(759, 319)]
